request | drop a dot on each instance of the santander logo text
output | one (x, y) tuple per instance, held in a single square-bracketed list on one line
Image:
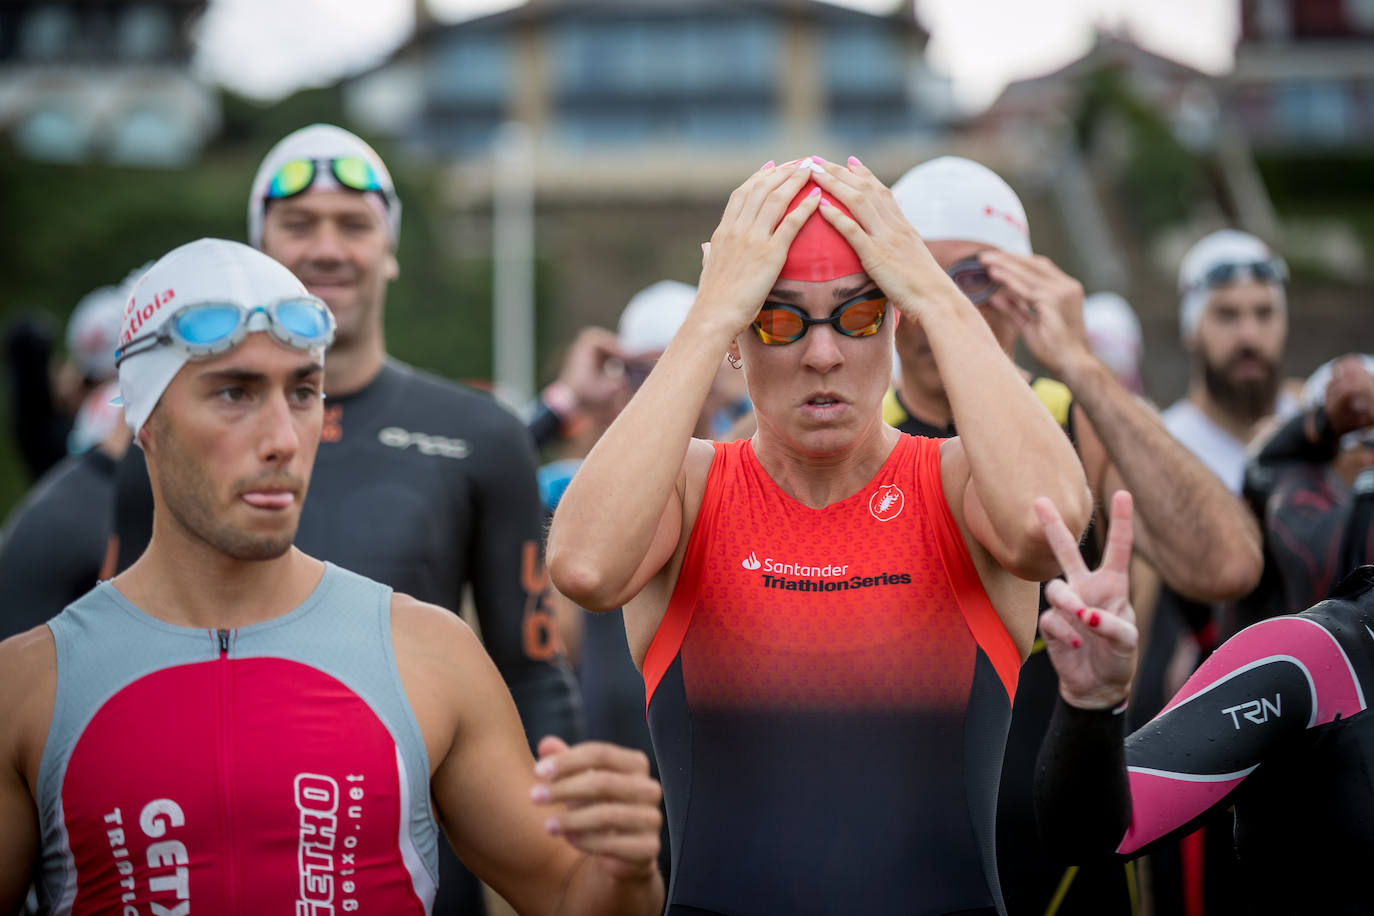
[(778, 567)]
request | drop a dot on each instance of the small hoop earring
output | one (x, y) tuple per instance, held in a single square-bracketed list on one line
[(735, 361)]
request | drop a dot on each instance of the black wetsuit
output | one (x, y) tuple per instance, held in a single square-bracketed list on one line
[(1030, 876), (428, 486), (1316, 529), (54, 543), (40, 429), (1275, 723)]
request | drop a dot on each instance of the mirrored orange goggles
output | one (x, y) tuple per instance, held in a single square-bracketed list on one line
[(780, 323)]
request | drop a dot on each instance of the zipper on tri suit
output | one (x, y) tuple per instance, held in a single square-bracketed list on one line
[(224, 689)]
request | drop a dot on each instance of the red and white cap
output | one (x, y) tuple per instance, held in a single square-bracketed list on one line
[(957, 199), (206, 270)]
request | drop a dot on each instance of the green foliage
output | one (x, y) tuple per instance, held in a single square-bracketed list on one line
[(1162, 180), (1337, 186)]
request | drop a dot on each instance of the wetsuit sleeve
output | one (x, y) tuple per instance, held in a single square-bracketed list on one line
[(1290, 443), (511, 589), (133, 508), (40, 429), (544, 425), (1306, 511), (1264, 687)]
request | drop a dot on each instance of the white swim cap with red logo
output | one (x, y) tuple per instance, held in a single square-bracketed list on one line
[(207, 270), (956, 199)]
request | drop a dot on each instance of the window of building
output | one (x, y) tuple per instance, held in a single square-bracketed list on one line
[(645, 56), (152, 138), (145, 33), (863, 58), (471, 68), (48, 33), (56, 133), (1314, 109)]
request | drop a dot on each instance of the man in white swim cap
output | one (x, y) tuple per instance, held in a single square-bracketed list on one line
[(1233, 321), (976, 227), (331, 733)]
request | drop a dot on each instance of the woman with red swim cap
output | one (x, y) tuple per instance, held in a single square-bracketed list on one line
[(829, 616)]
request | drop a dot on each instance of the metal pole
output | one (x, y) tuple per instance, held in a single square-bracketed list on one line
[(513, 279)]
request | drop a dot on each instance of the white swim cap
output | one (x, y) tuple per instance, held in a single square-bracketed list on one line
[(956, 199), (1114, 334), (207, 270), (93, 329), (653, 315), (1225, 247), (322, 142)]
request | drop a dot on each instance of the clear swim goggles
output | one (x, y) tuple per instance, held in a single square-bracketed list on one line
[(203, 330)]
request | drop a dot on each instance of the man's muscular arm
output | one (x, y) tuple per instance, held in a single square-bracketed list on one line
[(1212, 556), (1195, 533), (511, 589), (28, 671), (577, 835)]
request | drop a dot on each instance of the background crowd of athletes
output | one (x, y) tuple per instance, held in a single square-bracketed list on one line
[(72, 440)]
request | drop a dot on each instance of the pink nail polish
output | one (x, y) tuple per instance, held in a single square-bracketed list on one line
[(539, 794), (854, 160), (552, 826), (1094, 619), (768, 164), (1077, 643), (814, 192)]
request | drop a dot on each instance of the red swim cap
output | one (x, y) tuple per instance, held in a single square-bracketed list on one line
[(819, 253)]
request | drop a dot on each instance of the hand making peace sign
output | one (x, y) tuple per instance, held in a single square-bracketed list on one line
[(1089, 628)]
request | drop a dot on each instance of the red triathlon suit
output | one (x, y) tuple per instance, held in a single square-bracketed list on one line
[(829, 692), (274, 768)]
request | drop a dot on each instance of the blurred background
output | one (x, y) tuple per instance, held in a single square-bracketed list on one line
[(1129, 128)]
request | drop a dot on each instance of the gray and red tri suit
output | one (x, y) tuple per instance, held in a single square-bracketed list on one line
[(275, 768)]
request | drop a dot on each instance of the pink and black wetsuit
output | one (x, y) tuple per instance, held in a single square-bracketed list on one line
[(275, 768), (1275, 723)]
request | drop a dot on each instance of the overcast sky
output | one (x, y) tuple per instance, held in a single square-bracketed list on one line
[(250, 46)]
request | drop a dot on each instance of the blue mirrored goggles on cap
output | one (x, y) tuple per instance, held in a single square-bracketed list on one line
[(204, 330)]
